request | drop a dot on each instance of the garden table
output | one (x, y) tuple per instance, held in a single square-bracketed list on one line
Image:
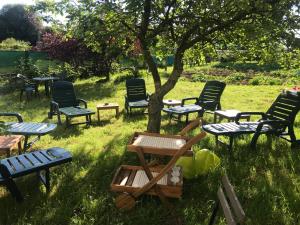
[(107, 106), (30, 129), (47, 82), (171, 102)]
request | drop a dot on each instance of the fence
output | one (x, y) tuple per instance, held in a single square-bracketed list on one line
[(11, 58)]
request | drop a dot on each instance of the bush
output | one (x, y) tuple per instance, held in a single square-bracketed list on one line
[(27, 67), (13, 44), (236, 78)]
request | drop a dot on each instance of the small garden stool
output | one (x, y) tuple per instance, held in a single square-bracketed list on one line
[(10, 142), (229, 114), (107, 106), (171, 102)]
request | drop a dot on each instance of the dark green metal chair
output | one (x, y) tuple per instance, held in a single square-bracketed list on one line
[(26, 86), (64, 102), (38, 162), (136, 96), (209, 100), (278, 120), (27, 129)]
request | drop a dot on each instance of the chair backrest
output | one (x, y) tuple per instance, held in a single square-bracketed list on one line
[(228, 201), (285, 107), (212, 91), (136, 89), (63, 93), (22, 81)]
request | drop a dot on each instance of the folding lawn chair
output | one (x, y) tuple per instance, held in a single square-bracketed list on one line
[(209, 100), (38, 161), (278, 120), (228, 201), (161, 180), (136, 96), (64, 102), (27, 129)]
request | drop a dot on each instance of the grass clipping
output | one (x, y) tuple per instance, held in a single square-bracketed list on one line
[(205, 161)]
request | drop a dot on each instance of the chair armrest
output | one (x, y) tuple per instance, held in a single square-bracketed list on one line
[(272, 123), (82, 101), (19, 117), (239, 115), (188, 99), (54, 104)]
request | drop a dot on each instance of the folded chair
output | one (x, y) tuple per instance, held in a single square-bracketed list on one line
[(278, 120), (209, 100), (228, 201), (27, 129), (136, 96), (161, 180), (64, 102), (34, 162)]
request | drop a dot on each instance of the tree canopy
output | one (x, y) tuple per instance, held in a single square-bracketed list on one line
[(175, 26), (20, 23)]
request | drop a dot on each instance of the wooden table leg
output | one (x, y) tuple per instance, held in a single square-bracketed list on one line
[(98, 115), (117, 112), (20, 147)]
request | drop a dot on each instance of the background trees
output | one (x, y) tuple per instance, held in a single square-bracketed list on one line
[(180, 28), (20, 23)]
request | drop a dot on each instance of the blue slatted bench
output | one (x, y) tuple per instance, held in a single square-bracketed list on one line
[(37, 161)]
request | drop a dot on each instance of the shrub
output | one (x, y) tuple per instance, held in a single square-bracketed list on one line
[(236, 78), (27, 67), (13, 44)]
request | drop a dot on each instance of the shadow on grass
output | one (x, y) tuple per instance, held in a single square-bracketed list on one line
[(94, 91)]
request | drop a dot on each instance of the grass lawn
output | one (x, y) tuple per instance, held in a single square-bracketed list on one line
[(266, 180)]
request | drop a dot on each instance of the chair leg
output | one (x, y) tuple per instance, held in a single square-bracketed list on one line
[(254, 140), (10, 184), (21, 95), (213, 217), (58, 118), (45, 179), (13, 189), (230, 143), (25, 146)]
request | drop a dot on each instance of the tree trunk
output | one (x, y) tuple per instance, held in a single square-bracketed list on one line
[(154, 110)]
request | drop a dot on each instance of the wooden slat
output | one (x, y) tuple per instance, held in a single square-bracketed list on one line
[(226, 209), (8, 166), (16, 164), (25, 161), (41, 157), (131, 178), (34, 160), (234, 202)]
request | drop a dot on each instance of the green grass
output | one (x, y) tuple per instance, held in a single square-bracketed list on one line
[(266, 180)]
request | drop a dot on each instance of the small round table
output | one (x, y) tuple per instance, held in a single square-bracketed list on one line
[(107, 106), (171, 102)]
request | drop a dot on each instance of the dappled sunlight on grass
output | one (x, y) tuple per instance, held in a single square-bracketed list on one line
[(266, 179)]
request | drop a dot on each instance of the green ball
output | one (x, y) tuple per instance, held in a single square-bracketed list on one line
[(205, 162), (188, 166)]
